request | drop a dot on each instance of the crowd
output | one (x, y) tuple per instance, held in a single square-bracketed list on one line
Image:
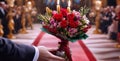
[(22, 18), (15, 18), (110, 21)]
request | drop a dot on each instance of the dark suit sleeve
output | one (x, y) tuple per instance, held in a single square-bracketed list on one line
[(10, 51)]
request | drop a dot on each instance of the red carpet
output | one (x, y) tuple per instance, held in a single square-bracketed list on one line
[(78, 49), (37, 40)]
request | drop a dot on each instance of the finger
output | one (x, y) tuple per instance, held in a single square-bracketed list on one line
[(57, 58), (52, 57), (52, 49)]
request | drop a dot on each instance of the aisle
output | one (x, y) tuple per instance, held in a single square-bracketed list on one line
[(102, 48)]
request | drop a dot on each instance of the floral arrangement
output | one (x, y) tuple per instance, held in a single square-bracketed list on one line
[(67, 25), (71, 26)]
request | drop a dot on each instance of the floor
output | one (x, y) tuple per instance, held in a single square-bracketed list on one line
[(102, 47), (99, 44)]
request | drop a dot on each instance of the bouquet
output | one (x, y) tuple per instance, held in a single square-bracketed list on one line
[(67, 26)]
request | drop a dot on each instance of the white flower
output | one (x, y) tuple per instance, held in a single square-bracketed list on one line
[(86, 19)]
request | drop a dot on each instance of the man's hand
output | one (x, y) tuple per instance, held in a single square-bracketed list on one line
[(46, 55)]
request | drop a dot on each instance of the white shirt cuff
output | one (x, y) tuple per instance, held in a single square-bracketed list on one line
[(36, 54)]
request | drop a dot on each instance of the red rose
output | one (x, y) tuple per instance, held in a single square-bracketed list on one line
[(63, 23), (73, 24), (85, 30), (70, 16), (52, 30), (64, 12), (46, 27), (58, 17)]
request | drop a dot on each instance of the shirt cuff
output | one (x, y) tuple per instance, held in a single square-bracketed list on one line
[(36, 54)]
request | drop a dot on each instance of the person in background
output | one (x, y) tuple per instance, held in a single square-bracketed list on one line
[(3, 13), (118, 19), (113, 28), (63, 3), (106, 20), (50, 3), (17, 19)]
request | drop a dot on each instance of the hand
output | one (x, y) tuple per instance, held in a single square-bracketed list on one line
[(46, 55)]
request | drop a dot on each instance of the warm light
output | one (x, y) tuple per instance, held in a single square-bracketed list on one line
[(98, 5), (68, 8), (58, 2), (69, 3), (29, 3), (58, 6)]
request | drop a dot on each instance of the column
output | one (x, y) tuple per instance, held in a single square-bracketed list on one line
[(118, 2)]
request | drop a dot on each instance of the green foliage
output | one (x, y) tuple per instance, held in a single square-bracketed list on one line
[(84, 10)]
